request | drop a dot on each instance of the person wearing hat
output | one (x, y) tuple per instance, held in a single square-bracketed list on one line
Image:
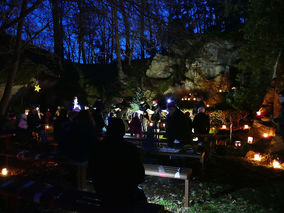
[(176, 126)]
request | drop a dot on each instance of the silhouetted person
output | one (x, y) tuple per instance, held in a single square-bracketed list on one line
[(117, 169), (79, 143), (177, 126), (135, 125), (201, 122)]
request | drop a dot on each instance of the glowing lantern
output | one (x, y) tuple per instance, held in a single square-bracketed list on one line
[(246, 126), (4, 172), (250, 140), (238, 144), (257, 157), (265, 135), (224, 126), (276, 164)]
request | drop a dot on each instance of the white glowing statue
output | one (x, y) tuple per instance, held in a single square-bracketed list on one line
[(76, 105)]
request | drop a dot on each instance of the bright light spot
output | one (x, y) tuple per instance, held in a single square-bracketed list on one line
[(194, 99), (250, 140), (276, 164), (220, 90), (182, 99), (257, 157), (169, 100), (224, 126), (163, 125), (47, 126), (207, 105), (238, 143), (151, 124), (195, 139), (246, 126), (258, 113), (27, 112), (4, 172), (233, 88), (265, 135)]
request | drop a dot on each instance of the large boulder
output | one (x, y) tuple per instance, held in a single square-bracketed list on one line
[(161, 67)]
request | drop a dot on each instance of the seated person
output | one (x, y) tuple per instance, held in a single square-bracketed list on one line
[(116, 168)]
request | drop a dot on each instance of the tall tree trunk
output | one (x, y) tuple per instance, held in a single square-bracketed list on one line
[(16, 62), (57, 29), (142, 29), (117, 44), (127, 32), (81, 31)]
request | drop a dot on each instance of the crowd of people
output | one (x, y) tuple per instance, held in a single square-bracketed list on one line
[(90, 143)]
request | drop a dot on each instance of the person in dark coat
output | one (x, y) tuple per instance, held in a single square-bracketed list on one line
[(79, 143), (116, 168), (279, 120), (177, 126), (135, 125), (201, 122)]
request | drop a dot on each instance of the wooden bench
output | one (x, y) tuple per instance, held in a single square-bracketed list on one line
[(15, 189), (171, 172)]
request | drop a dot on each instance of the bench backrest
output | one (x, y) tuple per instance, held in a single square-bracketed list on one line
[(167, 171)]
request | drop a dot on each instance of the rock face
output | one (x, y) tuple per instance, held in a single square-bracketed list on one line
[(206, 69), (161, 67)]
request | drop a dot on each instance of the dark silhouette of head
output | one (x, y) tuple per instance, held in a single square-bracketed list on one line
[(116, 128)]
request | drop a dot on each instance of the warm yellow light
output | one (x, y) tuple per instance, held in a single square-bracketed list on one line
[(194, 99), (258, 113), (151, 124), (4, 172), (276, 164), (27, 112), (164, 125), (182, 99), (207, 105), (250, 140), (47, 126), (246, 126), (220, 90), (257, 157), (265, 135), (224, 126)]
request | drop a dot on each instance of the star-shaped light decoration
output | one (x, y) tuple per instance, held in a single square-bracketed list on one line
[(37, 88)]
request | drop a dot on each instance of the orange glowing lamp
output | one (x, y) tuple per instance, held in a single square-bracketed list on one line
[(265, 135), (224, 126), (207, 105)]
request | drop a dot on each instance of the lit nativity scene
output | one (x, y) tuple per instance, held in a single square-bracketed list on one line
[(141, 106)]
